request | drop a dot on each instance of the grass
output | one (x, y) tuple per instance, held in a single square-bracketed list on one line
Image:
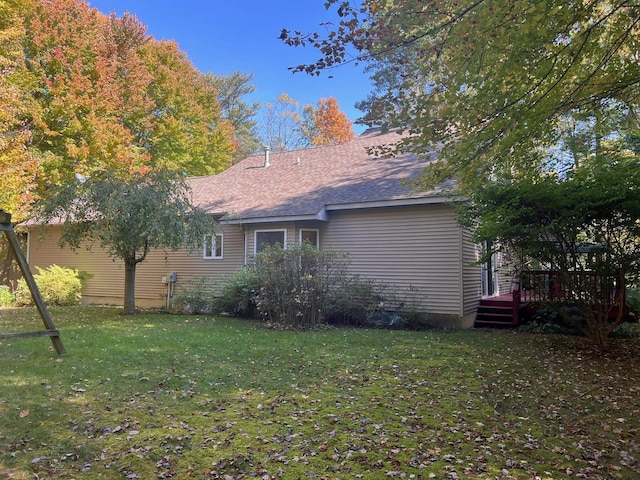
[(161, 396)]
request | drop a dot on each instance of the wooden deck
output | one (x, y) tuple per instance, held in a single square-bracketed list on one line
[(545, 287)]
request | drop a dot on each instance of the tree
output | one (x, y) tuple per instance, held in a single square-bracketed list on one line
[(577, 210), (128, 218), (583, 224), (286, 126), (188, 133), (532, 107), (91, 93), (232, 89), (327, 124), (281, 124), (486, 83), (88, 88), (18, 167)]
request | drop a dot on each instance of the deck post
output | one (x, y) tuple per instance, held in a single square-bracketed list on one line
[(516, 304), (51, 331)]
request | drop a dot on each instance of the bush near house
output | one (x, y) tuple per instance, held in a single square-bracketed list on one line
[(237, 294), (633, 302), (6, 297), (296, 284), (195, 296), (58, 286), (288, 288), (567, 319), (302, 287)]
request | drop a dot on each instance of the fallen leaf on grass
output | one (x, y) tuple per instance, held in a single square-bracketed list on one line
[(24, 413)]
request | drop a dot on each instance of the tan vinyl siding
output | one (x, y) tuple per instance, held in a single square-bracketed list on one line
[(472, 275), (421, 247), (106, 284), (190, 264), (415, 246)]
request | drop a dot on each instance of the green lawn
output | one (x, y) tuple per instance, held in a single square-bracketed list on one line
[(162, 396)]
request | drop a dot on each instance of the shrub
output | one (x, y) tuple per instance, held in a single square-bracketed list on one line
[(194, 296), (57, 285), (6, 297), (409, 310), (627, 330), (302, 287), (238, 292), (633, 302), (553, 319), (353, 302), (367, 303), (296, 284)]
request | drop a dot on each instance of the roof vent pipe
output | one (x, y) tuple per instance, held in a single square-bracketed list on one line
[(266, 156)]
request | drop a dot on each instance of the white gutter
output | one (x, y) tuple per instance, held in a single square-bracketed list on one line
[(321, 216), (392, 203)]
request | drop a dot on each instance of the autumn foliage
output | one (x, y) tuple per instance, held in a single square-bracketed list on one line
[(82, 92), (330, 125), (17, 167), (488, 84), (289, 127)]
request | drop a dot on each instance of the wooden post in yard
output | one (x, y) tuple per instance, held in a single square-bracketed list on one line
[(51, 331)]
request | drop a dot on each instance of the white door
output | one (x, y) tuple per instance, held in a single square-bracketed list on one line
[(490, 277)]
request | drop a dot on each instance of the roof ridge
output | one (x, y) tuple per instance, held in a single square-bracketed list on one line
[(366, 134)]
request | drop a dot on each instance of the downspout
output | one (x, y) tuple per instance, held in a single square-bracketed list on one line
[(245, 245), (462, 293)]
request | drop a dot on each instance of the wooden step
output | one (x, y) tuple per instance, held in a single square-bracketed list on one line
[(495, 313), (496, 302)]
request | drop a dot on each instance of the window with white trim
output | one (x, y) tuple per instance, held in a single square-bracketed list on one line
[(212, 246), (269, 238), (310, 236)]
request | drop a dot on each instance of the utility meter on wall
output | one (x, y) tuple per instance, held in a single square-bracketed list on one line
[(172, 277)]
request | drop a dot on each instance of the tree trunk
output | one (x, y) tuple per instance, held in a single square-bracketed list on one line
[(130, 287)]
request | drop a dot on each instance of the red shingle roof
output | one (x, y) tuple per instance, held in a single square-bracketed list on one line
[(302, 183)]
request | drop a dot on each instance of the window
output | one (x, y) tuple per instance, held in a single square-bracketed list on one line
[(312, 237), (212, 246), (268, 238)]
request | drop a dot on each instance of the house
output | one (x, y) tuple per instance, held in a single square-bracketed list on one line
[(337, 197)]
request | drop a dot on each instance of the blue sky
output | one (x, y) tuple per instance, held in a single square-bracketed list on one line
[(223, 36)]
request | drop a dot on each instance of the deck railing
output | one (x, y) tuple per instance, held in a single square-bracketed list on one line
[(544, 286)]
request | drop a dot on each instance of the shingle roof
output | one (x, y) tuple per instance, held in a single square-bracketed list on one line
[(303, 183)]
